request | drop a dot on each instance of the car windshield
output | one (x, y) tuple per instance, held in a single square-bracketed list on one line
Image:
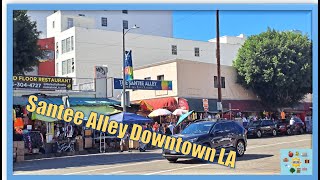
[(198, 128), (254, 123)]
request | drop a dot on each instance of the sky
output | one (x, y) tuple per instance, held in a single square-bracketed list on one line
[(201, 25)]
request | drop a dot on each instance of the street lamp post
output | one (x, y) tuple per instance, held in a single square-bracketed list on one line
[(124, 68)]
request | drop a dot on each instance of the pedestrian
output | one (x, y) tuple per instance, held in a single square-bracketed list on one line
[(123, 141), (167, 130), (171, 127), (155, 127), (244, 121)]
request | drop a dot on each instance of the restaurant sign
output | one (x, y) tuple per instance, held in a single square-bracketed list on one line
[(143, 84), (42, 82)]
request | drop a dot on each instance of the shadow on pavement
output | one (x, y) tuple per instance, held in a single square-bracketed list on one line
[(83, 161), (246, 157)]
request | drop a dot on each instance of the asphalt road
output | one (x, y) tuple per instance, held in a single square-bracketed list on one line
[(262, 157)]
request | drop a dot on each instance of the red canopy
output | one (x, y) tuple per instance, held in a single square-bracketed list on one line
[(169, 103)]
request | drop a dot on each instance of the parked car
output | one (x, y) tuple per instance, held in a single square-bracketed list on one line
[(260, 128), (219, 134)]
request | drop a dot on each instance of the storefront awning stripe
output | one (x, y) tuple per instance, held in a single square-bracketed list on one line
[(23, 101)]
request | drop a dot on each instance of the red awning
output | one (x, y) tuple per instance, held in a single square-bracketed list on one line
[(169, 103)]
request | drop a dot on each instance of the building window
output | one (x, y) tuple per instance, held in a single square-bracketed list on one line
[(57, 69), (160, 78), (52, 24), (68, 47), (125, 11), (69, 70), (70, 23), (223, 82), (64, 67), (72, 65), (147, 78), (63, 44), (72, 47), (215, 81), (125, 24), (197, 51), (104, 21), (174, 49)]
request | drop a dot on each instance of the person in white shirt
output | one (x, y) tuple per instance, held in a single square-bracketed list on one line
[(171, 127), (244, 119), (292, 121)]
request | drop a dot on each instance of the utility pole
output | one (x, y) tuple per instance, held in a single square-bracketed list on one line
[(123, 72), (218, 63), (124, 32)]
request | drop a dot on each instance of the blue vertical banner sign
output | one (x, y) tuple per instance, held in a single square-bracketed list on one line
[(128, 66)]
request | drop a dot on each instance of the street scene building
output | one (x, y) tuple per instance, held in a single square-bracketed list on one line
[(87, 43), (86, 57)]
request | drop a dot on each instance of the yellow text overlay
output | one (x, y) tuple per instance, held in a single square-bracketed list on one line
[(103, 123)]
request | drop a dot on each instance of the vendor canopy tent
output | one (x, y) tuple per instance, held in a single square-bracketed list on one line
[(86, 105), (129, 118), (169, 103), (160, 112), (184, 116), (106, 110), (74, 101)]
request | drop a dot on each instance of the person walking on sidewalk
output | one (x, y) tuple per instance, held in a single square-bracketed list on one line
[(167, 130), (171, 127), (123, 141)]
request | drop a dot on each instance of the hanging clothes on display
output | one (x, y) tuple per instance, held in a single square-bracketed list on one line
[(69, 131), (33, 139)]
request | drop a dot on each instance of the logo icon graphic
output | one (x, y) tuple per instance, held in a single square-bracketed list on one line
[(290, 154), (298, 170), (296, 162)]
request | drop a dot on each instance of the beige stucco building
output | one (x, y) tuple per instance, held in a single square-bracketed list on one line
[(190, 79), (195, 81)]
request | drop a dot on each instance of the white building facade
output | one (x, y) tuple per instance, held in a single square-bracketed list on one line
[(78, 50), (157, 23), (83, 42)]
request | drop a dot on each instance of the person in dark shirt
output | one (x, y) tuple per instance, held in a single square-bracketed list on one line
[(167, 130)]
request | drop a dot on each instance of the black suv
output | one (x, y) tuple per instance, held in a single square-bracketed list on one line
[(262, 127), (220, 134)]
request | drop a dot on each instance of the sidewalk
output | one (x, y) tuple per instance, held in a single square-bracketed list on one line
[(84, 152)]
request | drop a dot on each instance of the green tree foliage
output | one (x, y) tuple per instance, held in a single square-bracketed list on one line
[(25, 49), (276, 66)]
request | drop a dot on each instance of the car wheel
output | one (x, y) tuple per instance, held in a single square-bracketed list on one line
[(172, 160), (259, 134), (289, 132), (240, 148), (274, 132)]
